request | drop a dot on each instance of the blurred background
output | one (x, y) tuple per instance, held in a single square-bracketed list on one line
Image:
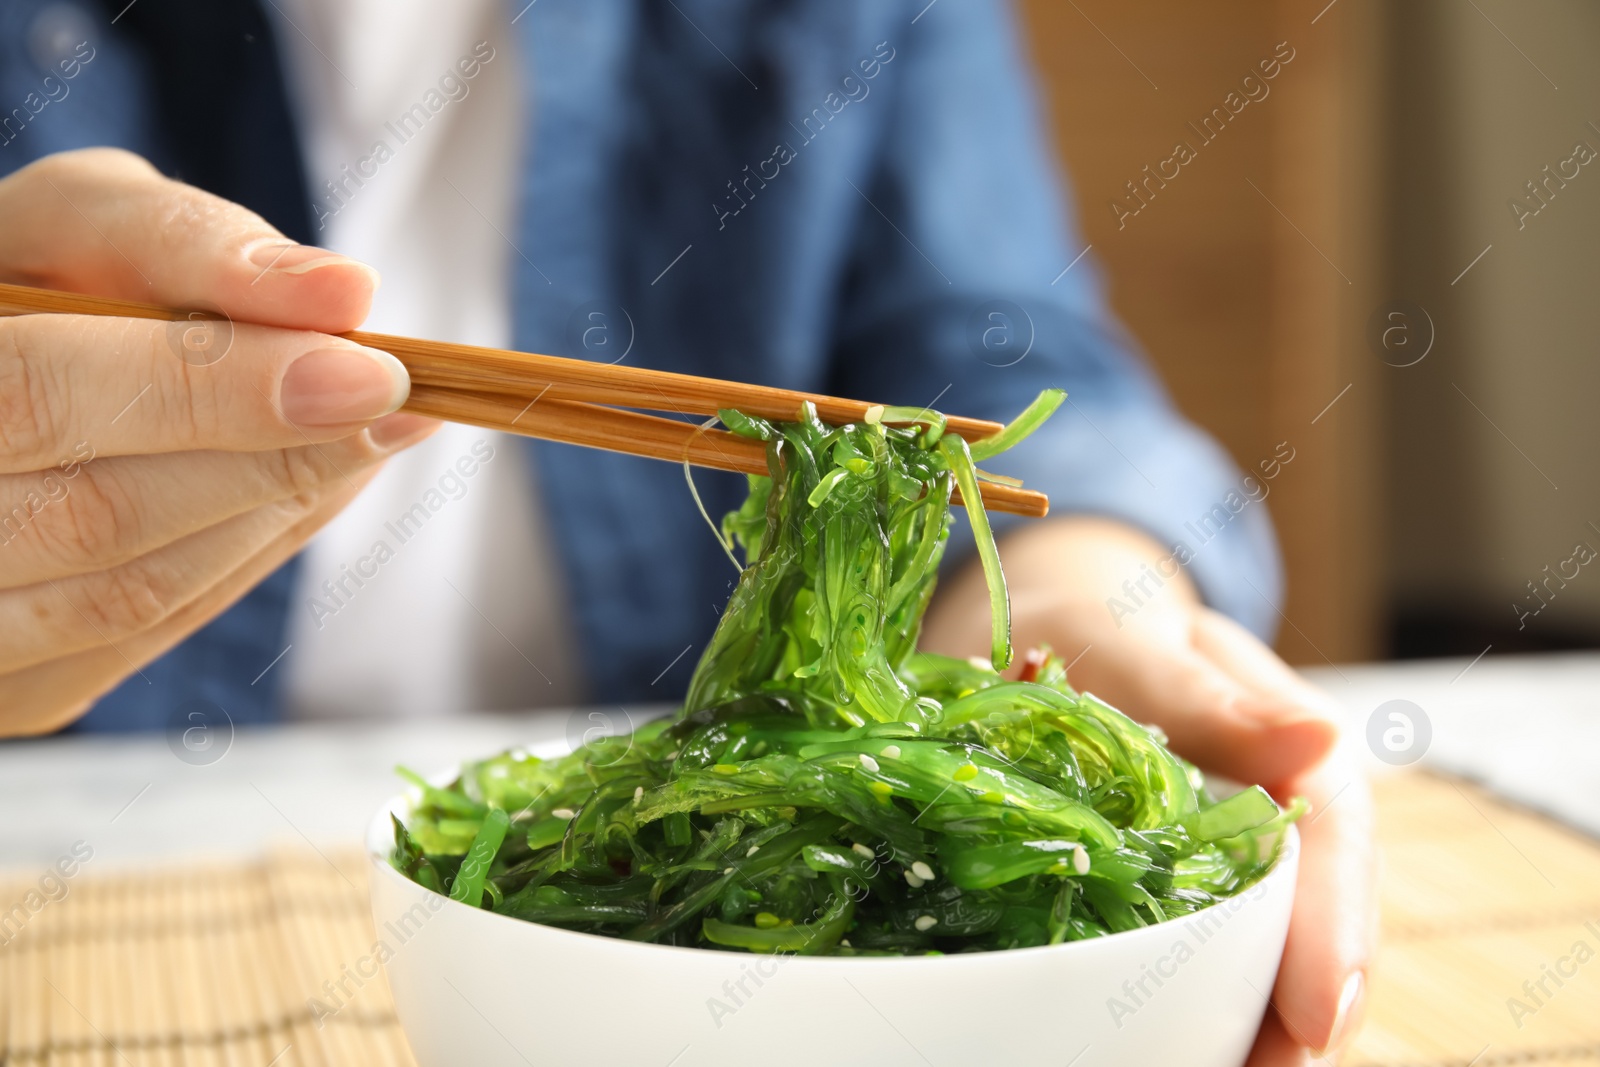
[(1343, 265)]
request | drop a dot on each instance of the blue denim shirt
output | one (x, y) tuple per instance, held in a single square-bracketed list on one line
[(856, 198)]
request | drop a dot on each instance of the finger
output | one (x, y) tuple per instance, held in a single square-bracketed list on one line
[(1321, 987), (1256, 667), (114, 606), (1204, 711), (116, 386), (1275, 1048), (104, 221), (44, 698), (99, 514)]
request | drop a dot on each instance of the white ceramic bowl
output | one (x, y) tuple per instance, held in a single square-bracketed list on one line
[(475, 988)]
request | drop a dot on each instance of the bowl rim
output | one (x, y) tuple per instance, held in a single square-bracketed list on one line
[(380, 841)]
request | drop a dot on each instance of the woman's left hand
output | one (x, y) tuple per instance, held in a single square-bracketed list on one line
[(1229, 705)]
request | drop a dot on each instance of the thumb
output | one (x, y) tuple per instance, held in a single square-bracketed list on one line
[(1210, 718)]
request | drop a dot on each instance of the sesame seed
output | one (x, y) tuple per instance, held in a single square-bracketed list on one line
[(1080, 860), (925, 923), (913, 881), (727, 870), (891, 751), (562, 813), (638, 793), (753, 850), (922, 870), (868, 763), (863, 850), (844, 942)]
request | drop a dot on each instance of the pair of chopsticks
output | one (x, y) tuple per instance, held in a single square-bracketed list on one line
[(572, 400)]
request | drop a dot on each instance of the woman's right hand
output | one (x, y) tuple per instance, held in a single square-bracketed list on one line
[(145, 483)]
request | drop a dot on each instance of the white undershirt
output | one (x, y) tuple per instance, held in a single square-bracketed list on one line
[(442, 592)]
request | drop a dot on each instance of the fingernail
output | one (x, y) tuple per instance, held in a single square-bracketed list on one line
[(286, 257), (394, 432), (1344, 1019), (333, 386)]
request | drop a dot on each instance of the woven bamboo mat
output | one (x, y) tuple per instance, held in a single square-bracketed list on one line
[(236, 965), (201, 966), (1480, 897)]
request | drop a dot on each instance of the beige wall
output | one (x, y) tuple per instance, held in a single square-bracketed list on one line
[(1392, 144), (1248, 277)]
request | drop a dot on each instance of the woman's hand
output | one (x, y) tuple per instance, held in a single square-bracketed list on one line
[(1229, 705), (148, 479)]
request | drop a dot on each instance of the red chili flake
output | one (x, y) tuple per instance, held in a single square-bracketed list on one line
[(1032, 664)]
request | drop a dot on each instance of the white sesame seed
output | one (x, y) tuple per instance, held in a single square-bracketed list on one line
[(863, 850), (891, 751), (844, 942), (913, 881), (1080, 860), (753, 850), (868, 763), (727, 870), (562, 813), (638, 793), (925, 923), (922, 870)]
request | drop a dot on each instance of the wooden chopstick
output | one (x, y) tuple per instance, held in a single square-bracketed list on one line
[(652, 436), (594, 426), (491, 387), (495, 370)]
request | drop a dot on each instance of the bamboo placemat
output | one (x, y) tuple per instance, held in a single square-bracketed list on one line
[(239, 965), (235, 965), (1478, 897)]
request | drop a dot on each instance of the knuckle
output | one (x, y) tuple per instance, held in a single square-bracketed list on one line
[(26, 400), (127, 601), (100, 523), (183, 210), (301, 472), (305, 473), (187, 402), (300, 508)]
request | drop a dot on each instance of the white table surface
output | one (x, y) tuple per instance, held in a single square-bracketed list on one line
[(1528, 727)]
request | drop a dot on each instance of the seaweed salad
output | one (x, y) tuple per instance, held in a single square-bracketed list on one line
[(827, 788)]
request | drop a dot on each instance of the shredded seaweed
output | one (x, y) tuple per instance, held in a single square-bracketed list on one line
[(828, 789)]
